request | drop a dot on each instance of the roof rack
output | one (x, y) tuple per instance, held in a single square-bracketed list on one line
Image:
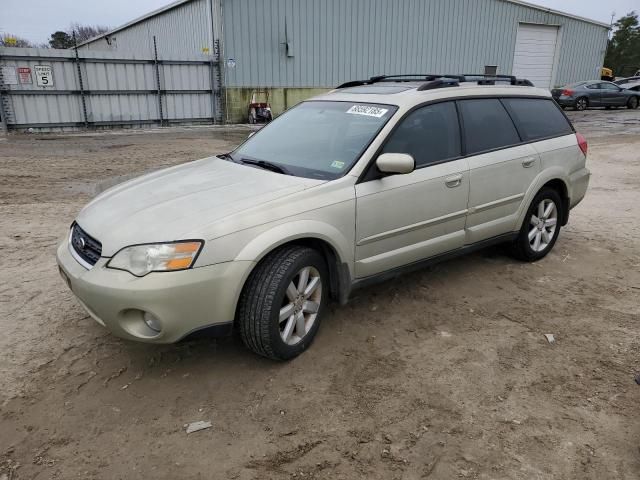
[(434, 80)]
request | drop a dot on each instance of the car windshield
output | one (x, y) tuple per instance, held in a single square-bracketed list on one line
[(316, 139)]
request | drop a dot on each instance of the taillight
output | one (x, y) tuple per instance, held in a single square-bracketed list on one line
[(582, 143), (567, 93)]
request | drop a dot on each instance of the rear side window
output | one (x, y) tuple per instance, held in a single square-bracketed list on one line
[(429, 134), (537, 118), (487, 125)]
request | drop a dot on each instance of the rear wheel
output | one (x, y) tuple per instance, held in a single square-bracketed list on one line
[(281, 305), (632, 103), (541, 226), (581, 104)]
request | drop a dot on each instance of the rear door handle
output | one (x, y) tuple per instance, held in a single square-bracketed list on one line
[(528, 162), (453, 181)]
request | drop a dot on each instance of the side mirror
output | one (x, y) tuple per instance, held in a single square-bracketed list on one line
[(396, 163)]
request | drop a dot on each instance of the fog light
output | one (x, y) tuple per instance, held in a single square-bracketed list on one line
[(152, 322)]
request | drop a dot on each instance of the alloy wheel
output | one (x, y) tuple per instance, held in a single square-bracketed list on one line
[(581, 104), (544, 222), (300, 305)]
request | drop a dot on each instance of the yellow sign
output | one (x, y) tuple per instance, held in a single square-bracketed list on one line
[(205, 49)]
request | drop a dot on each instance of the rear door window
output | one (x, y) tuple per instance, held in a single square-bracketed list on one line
[(487, 125), (609, 86), (429, 134), (537, 118)]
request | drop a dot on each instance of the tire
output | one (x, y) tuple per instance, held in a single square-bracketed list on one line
[(581, 104), (632, 103), (535, 241), (267, 297)]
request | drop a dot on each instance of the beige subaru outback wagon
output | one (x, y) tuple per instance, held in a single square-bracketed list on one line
[(358, 185)]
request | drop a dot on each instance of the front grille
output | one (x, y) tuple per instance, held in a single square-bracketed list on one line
[(84, 245)]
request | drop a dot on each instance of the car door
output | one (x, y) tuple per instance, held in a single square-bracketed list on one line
[(593, 93), (501, 168), (401, 219), (612, 95)]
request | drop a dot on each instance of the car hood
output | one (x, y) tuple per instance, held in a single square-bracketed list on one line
[(179, 202)]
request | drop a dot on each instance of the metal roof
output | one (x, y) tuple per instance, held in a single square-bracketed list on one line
[(151, 14), (558, 12), (177, 3)]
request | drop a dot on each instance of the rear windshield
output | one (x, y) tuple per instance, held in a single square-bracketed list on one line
[(537, 118), (317, 139)]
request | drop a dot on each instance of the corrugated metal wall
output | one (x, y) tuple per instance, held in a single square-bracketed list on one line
[(181, 31), (118, 89), (333, 41)]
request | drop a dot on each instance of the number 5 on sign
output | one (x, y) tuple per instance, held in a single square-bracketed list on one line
[(44, 75)]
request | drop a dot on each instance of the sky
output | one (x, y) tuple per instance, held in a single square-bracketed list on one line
[(35, 20)]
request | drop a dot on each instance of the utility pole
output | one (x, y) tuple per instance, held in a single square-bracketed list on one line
[(613, 15)]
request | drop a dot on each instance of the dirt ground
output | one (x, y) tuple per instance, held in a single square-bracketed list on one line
[(444, 373)]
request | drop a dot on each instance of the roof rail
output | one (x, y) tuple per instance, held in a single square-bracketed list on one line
[(439, 83), (409, 77), (434, 80), (483, 79)]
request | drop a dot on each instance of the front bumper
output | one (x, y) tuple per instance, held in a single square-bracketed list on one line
[(183, 301)]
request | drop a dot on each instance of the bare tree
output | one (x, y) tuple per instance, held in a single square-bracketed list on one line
[(85, 32), (10, 40)]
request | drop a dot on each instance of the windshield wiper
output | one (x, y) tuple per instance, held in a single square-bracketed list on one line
[(266, 165)]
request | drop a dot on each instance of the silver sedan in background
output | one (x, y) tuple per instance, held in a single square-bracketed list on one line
[(595, 93), (631, 83)]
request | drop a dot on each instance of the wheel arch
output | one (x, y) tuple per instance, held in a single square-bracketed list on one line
[(561, 187), (326, 239), (554, 178)]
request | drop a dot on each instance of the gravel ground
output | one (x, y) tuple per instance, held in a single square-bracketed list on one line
[(444, 373)]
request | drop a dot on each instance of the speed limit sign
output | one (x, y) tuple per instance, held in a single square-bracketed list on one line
[(44, 75)]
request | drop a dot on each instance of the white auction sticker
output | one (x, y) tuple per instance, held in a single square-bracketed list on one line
[(368, 110)]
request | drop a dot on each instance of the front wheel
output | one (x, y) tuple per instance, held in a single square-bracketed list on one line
[(541, 226), (281, 305), (632, 103)]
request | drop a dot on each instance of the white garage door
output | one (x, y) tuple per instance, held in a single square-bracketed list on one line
[(535, 53)]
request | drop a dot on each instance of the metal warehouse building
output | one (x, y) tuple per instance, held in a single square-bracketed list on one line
[(297, 48)]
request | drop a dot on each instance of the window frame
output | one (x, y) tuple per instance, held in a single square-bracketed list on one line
[(495, 149), (408, 114), (541, 139), (370, 172)]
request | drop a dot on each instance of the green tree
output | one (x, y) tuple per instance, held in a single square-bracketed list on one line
[(623, 52), (60, 39)]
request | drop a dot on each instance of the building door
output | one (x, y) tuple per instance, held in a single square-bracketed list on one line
[(535, 54)]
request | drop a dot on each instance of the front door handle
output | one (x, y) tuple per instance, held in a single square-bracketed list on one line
[(528, 162), (453, 181)]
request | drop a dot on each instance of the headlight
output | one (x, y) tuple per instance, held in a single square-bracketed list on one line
[(156, 257)]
